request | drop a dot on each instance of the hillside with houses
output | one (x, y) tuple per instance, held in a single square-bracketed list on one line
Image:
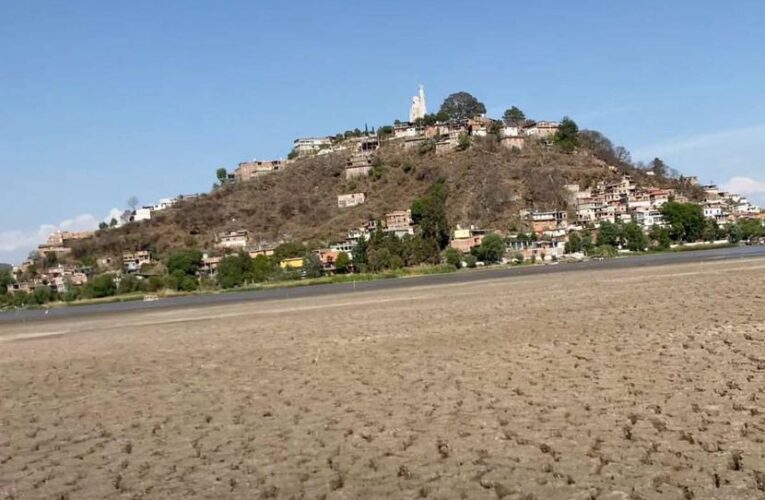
[(454, 187)]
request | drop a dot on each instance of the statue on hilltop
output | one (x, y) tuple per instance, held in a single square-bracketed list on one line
[(419, 109)]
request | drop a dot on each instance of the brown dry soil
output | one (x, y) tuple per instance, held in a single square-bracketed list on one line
[(624, 384)]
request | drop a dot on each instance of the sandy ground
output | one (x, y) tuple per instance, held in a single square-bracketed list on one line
[(624, 384)]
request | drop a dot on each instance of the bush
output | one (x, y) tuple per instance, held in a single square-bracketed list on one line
[(185, 262), (605, 251), (659, 237), (72, 294), (234, 270), (491, 250), (42, 295), (428, 146), (130, 284), (463, 142), (342, 263), (312, 267), (567, 137), (470, 261), (453, 258), (155, 284), (100, 286), (188, 284)]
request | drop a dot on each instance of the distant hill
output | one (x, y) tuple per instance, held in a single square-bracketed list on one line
[(488, 185), (5, 267)]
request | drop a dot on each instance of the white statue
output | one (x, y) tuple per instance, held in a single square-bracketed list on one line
[(419, 109)]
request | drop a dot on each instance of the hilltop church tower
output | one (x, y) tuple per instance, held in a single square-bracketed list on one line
[(419, 109)]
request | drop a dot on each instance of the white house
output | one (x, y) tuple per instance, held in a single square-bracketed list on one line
[(350, 200), (648, 217), (143, 213)]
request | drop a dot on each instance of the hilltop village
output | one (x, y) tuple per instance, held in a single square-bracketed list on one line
[(632, 208)]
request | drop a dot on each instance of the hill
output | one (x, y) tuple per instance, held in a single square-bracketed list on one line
[(488, 185)]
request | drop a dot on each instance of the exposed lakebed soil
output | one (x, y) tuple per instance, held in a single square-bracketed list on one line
[(624, 384)]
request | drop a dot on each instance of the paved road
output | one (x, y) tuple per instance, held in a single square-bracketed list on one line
[(319, 290)]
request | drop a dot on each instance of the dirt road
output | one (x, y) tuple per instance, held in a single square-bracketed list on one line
[(619, 384)]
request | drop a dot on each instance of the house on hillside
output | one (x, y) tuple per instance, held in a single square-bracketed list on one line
[(209, 265), (306, 146), (358, 165), (647, 217), (542, 221), (350, 200), (327, 257), (406, 130), (251, 169), (233, 239), (543, 129), (399, 223), (464, 240), (132, 261), (54, 245), (479, 126)]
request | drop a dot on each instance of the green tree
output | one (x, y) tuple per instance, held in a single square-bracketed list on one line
[(342, 263), (385, 131), (312, 266), (608, 234), (290, 250), (185, 262), (685, 220), (453, 257), (42, 295), (420, 250), (491, 249), (430, 213), (658, 167), (132, 202), (513, 117), (130, 284), (587, 244), (72, 293), (360, 254), (263, 268), (710, 231), (636, 241), (156, 283), (222, 175), (461, 106), (574, 243), (234, 270), (188, 283), (5, 281), (567, 137), (660, 236), (735, 234), (751, 228), (102, 286)]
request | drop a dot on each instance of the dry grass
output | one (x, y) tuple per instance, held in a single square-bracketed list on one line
[(488, 186)]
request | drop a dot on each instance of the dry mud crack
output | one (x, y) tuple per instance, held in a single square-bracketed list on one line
[(622, 384)]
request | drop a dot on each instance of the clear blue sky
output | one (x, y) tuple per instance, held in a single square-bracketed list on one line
[(103, 100)]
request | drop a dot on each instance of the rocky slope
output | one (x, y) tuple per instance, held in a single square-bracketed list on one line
[(488, 185)]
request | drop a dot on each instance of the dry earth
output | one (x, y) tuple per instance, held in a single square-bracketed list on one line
[(616, 384)]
